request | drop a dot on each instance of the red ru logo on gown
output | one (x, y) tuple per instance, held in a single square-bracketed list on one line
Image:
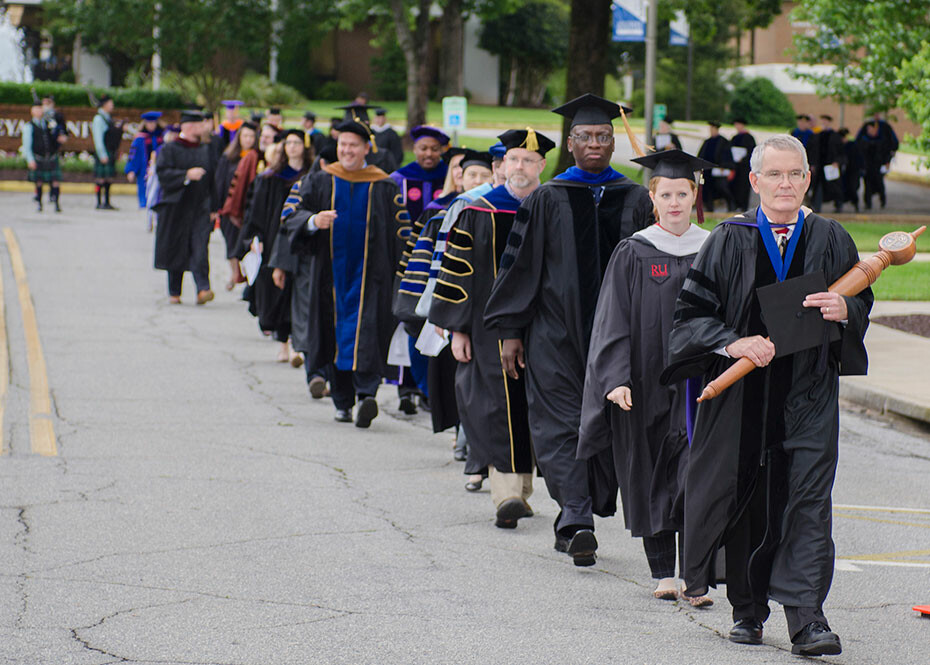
[(660, 270), (414, 194)]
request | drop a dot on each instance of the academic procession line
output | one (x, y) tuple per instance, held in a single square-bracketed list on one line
[(515, 297)]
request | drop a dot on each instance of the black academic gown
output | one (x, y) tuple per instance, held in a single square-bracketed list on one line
[(222, 181), (717, 306), (546, 294), (716, 150), (829, 150), (411, 281), (740, 187), (321, 328), (184, 227), (492, 406), (388, 141), (271, 305), (628, 348)]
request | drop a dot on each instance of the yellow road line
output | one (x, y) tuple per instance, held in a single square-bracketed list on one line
[(41, 429), (889, 556), (882, 509), (880, 521), (4, 364)]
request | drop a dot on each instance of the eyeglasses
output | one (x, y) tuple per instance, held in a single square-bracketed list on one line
[(794, 176), (526, 161), (584, 139)]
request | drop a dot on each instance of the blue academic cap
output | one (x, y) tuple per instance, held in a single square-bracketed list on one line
[(231, 103), (423, 131), (151, 115), (498, 150)]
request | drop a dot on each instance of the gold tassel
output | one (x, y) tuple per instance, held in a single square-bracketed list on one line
[(306, 141), (629, 132), (531, 142)]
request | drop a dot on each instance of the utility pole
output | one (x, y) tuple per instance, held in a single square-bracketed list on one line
[(273, 55), (651, 21), (690, 77), (156, 54)]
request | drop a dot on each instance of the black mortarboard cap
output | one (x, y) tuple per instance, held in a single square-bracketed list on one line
[(310, 115), (355, 128), (527, 138), (380, 111), (249, 125), (713, 123), (802, 116), (452, 152), (328, 154), (673, 164), (473, 157), (827, 117), (274, 110), (257, 117), (741, 120), (191, 115), (791, 326), (103, 100), (355, 111), (590, 110)]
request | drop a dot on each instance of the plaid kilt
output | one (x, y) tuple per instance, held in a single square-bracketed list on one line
[(102, 170), (47, 169)]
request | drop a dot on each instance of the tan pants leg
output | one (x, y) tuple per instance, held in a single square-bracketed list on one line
[(509, 485)]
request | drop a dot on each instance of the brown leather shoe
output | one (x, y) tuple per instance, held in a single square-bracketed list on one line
[(174, 300), (204, 297)]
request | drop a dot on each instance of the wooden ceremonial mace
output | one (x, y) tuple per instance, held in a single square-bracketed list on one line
[(895, 249)]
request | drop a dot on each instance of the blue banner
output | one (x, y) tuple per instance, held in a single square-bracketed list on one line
[(627, 27)]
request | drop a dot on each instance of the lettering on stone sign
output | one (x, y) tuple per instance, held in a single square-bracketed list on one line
[(660, 270)]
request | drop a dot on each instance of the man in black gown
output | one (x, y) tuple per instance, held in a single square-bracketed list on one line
[(543, 301), (716, 150), (492, 405), (184, 226), (346, 227), (741, 147), (763, 454)]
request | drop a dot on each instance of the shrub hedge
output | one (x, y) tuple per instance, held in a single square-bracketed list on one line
[(67, 94)]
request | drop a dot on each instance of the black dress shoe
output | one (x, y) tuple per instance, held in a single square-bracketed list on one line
[(582, 547), (510, 511), (407, 406), (816, 639), (366, 412), (746, 631), (459, 455), (343, 415), (561, 543)]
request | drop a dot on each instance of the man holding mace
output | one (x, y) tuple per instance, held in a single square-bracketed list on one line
[(764, 454)]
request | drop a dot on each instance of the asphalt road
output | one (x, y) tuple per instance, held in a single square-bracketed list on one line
[(193, 505)]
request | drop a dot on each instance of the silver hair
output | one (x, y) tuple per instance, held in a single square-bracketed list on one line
[(777, 142)]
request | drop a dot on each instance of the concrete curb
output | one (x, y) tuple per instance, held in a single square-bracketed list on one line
[(883, 402)]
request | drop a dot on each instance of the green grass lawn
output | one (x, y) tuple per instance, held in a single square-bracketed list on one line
[(908, 282)]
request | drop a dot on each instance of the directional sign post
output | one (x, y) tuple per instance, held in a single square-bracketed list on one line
[(454, 112)]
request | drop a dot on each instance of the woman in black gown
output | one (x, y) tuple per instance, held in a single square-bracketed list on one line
[(271, 293)]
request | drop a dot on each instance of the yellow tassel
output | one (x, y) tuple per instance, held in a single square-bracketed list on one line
[(306, 141), (531, 142), (629, 132)]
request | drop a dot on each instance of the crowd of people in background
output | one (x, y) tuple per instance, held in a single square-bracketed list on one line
[(558, 329)]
